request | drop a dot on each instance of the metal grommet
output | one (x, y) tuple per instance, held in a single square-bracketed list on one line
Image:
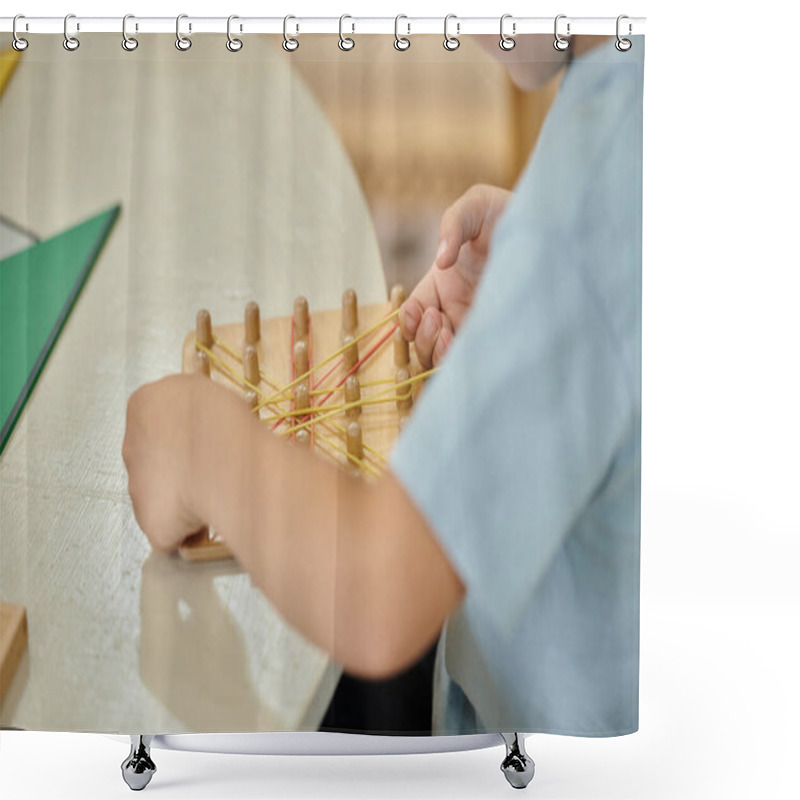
[(623, 45), (183, 43), (560, 43), (233, 44), (70, 43), (506, 42), (401, 43), (19, 44), (451, 42), (129, 43), (290, 44), (345, 42)]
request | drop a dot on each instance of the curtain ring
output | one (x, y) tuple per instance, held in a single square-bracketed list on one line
[(233, 44), (400, 42), (70, 43), (623, 45), (183, 43), (451, 42), (19, 44), (290, 44), (345, 42), (129, 43), (560, 43), (506, 42)]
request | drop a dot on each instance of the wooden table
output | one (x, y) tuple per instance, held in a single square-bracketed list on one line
[(233, 187)]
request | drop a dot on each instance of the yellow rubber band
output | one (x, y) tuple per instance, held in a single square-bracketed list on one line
[(332, 356)]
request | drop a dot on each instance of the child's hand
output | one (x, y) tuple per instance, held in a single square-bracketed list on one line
[(157, 452), (437, 306)]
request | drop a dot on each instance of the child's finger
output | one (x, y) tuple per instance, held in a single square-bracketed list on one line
[(411, 312), (427, 334), (443, 341), (410, 316), (461, 223)]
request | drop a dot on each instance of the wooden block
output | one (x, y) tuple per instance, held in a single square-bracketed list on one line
[(13, 640)]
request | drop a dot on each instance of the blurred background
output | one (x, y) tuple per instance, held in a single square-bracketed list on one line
[(421, 127)]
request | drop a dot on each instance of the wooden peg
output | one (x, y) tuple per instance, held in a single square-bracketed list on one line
[(302, 397), (250, 363), (203, 328), (300, 358), (349, 312), (303, 437), (252, 323), (355, 445), (201, 363), (401, 354), (300, 319), (398, 296), (251, 398), (404, 390), (352, 394), (351, 353)]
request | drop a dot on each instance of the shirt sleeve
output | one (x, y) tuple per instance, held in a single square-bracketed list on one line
[(516, 432)]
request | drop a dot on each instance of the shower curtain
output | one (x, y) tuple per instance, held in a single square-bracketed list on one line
[(320, 384)]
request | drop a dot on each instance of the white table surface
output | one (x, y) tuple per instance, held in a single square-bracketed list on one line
[(233, 187)]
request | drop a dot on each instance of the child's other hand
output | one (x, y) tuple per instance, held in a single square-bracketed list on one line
[(437, 306), (157, 451)]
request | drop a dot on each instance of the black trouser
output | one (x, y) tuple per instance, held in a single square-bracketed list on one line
[(402, 704)]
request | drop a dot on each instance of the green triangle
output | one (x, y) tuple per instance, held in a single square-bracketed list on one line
[(38, 288)]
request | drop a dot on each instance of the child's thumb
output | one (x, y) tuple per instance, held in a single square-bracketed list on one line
[(447, 254), (461, 223)]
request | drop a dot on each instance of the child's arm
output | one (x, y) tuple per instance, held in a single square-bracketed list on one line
[(352, 565)]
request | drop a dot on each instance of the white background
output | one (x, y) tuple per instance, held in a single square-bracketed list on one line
[(720, 671)]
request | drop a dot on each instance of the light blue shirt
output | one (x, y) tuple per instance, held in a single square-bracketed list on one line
[(524, 451)]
